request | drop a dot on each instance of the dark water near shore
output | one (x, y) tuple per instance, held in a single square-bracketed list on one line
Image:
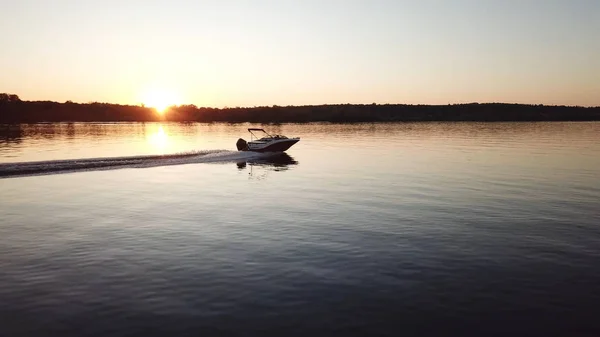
[(467, 229)]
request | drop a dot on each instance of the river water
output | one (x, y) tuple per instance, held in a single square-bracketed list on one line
[(399, 229)]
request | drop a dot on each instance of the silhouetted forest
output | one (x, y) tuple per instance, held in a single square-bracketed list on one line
[(14, 110)]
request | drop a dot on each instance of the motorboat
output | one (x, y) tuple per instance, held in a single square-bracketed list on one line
[(267, 143)]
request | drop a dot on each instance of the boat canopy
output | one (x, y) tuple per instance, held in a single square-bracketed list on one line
[(252, 135), (268, 137)]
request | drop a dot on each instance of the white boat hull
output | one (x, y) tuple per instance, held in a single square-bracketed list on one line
[(279, 145)]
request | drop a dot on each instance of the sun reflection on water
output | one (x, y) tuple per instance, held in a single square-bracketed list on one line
[(158, 138)]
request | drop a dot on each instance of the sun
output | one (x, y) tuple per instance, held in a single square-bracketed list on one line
[(160, 99)]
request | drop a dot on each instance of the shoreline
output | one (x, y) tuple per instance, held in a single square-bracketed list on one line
[(23, 112)]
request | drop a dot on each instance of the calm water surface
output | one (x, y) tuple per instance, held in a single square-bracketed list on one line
[(379, 229)]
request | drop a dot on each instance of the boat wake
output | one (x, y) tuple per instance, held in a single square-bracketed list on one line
[(20, 169)]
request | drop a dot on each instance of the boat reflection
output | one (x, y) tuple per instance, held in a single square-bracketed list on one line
[(276, 162)]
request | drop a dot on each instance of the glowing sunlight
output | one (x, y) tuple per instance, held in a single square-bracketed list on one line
[(158, 138), (160, 99)]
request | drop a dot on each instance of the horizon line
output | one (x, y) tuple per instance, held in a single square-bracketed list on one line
[(308, 105)]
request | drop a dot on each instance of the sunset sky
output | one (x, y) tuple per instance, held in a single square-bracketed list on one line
[(264, 52)]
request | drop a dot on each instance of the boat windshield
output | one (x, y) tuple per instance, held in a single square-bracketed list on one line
[(267, 138), (273, 137)]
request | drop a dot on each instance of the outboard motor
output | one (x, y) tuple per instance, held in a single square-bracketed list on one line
[(241, 145)]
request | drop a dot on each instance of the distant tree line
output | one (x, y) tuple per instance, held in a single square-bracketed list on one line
[(14, 110)]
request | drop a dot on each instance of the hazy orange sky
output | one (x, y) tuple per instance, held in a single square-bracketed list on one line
[(261, 52)]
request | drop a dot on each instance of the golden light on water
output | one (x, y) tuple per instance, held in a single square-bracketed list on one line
[(158, 138)]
